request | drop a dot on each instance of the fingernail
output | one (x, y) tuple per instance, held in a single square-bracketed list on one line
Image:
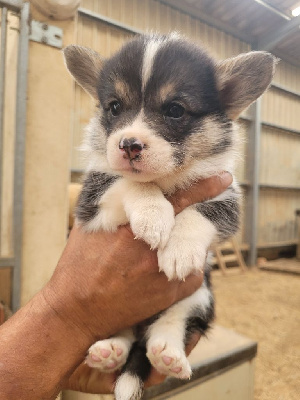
[(226, 178)]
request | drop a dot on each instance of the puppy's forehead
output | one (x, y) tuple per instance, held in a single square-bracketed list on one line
[(122, 71), (158, 63), (181, 65)]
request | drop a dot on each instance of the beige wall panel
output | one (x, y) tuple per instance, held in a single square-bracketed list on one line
[(276, 219), (47, 163), (281, 108), (280, 158), (7, 160), (152, 15), (287, 75)]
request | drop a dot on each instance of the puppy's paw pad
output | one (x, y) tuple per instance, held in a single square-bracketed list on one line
[(169, 360), (108, 355)]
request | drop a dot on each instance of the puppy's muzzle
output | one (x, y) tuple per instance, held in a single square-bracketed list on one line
[(132, 148)]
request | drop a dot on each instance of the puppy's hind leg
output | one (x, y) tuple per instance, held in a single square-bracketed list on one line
[(169, 334)]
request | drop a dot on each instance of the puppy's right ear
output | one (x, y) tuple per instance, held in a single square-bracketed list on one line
[(85, 66)]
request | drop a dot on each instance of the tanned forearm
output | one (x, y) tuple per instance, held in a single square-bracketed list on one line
[(38, 351)]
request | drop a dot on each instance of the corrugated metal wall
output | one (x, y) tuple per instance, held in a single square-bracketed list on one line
[(280, 159), (280, 149)]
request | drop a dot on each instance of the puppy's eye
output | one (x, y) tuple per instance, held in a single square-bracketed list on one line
[(115, 108), (174, 110)]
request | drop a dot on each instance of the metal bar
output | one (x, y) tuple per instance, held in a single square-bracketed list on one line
[(109, 21), (6, 262), (278, 187), (280, 127), (253, 178), (77, 170), (13, 5), (269, 41), (271, 186), (2, 98), (271, 125), (286, 90), (21, 106)]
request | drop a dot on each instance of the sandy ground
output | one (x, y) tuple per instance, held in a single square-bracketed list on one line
[(265, 306)]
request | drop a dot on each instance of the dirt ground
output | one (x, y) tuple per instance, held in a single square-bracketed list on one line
[(265, 306)]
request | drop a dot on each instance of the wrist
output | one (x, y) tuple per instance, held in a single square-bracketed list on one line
[(49, 349)]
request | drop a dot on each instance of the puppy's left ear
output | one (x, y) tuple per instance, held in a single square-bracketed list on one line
[(85, 66), (242, 79)]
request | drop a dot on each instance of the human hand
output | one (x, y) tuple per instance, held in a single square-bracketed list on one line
[(105, 282)]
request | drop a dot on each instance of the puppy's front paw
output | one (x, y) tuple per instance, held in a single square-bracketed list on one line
[(180, 257), (108, 355), (153, 224)]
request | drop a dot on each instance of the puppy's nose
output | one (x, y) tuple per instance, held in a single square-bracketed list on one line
[(132, 147)]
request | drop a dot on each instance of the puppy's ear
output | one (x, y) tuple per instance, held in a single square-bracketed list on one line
[(242, 79), (85, 66)]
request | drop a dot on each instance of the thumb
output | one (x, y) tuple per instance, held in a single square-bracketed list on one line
[(200, 191)]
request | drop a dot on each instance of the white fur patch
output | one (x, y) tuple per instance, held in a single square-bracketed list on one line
[(94, 146), (150, 214), (152, 47), (128, 387), (111, 213), (149, 55), (187, 247), (171, 324), (166, 335)]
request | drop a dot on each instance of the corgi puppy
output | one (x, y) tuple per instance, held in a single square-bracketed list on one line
[(165, 118)]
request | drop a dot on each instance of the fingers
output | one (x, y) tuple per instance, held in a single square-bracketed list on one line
[(194, 339), (90, 380), (155, 378), (200, 191)]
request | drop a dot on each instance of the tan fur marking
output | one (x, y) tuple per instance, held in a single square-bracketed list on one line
[(166, 91), (122, 90)]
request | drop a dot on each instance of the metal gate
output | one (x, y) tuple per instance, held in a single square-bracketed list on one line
[(14, 16)]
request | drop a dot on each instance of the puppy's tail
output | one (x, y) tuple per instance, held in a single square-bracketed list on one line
[(130, 384)]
